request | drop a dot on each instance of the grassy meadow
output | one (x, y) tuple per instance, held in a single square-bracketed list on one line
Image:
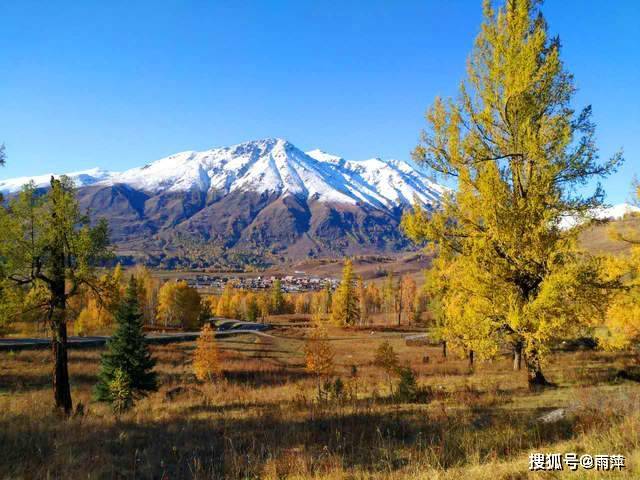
[(263, 419)]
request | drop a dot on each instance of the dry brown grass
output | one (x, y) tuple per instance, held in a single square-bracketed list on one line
[(598, 239), (369, 267), (263, 421)]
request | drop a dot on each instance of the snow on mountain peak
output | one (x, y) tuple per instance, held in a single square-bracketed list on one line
[(323, 156), (81, 179), (271, 165)]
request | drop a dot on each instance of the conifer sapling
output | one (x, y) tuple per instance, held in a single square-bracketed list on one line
[(127, 352)]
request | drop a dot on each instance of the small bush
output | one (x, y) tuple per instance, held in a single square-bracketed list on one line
[(386, 358), (337, 389), (408, 389), (332, 390), (120, 392)]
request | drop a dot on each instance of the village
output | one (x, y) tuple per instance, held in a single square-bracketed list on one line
[(289, 283)]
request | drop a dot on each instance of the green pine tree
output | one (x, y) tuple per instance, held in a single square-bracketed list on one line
[(127, 351)]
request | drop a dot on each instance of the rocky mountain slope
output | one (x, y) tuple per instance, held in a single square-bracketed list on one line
[(256, 200)]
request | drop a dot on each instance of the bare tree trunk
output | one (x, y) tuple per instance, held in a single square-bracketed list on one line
[(444, 349), (517, 356), (58, 323), (471, 359), (535, 377), (61, 385)]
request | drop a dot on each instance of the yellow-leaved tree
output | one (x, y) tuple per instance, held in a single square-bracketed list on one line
[(319, 354), (409, 301), (515, 152), (363, 301), (224, 307), (389, 295), (345, 309), (206, 363), (387, 359), (148, 289), (100, 303), (374, 298), (179, 305), (623, 315)]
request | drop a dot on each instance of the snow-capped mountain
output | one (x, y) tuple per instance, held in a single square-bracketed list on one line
[(271, 165), (81, 179), (259, 196)]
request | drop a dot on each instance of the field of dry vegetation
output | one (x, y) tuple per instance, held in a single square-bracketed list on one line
[(263, 420)]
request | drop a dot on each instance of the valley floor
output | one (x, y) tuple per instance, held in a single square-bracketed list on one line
[(263, 420)]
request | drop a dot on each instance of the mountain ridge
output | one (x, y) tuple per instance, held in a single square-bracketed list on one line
[(271, 164), (264, 200)]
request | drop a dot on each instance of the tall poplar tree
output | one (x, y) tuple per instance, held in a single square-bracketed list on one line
[(389, 296), (346, 308), (517, 154), (277, 298), (363, 303)]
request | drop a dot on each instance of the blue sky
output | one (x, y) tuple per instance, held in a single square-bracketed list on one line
[(118, 84)]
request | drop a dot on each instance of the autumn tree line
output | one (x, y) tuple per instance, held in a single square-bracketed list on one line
[(353, 303), (175, 304)]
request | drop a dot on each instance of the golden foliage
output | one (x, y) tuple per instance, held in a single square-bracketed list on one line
[(321, 301), (179, 305), (225, 307), (345, 308), (302, 303), (148, 289), (388, 296), (206, 362), (516, 151), (386, 358), (264, 305), (363, 303), (623, 315), (97, 306), (374, 298), (319, 354)]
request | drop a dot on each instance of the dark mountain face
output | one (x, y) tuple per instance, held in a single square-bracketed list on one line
[(195, 228), (255, 202)]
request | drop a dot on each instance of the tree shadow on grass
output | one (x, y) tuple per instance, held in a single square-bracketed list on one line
[(77, 356), (11, 382), (267, 377), (185, 447), (253, 350)]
